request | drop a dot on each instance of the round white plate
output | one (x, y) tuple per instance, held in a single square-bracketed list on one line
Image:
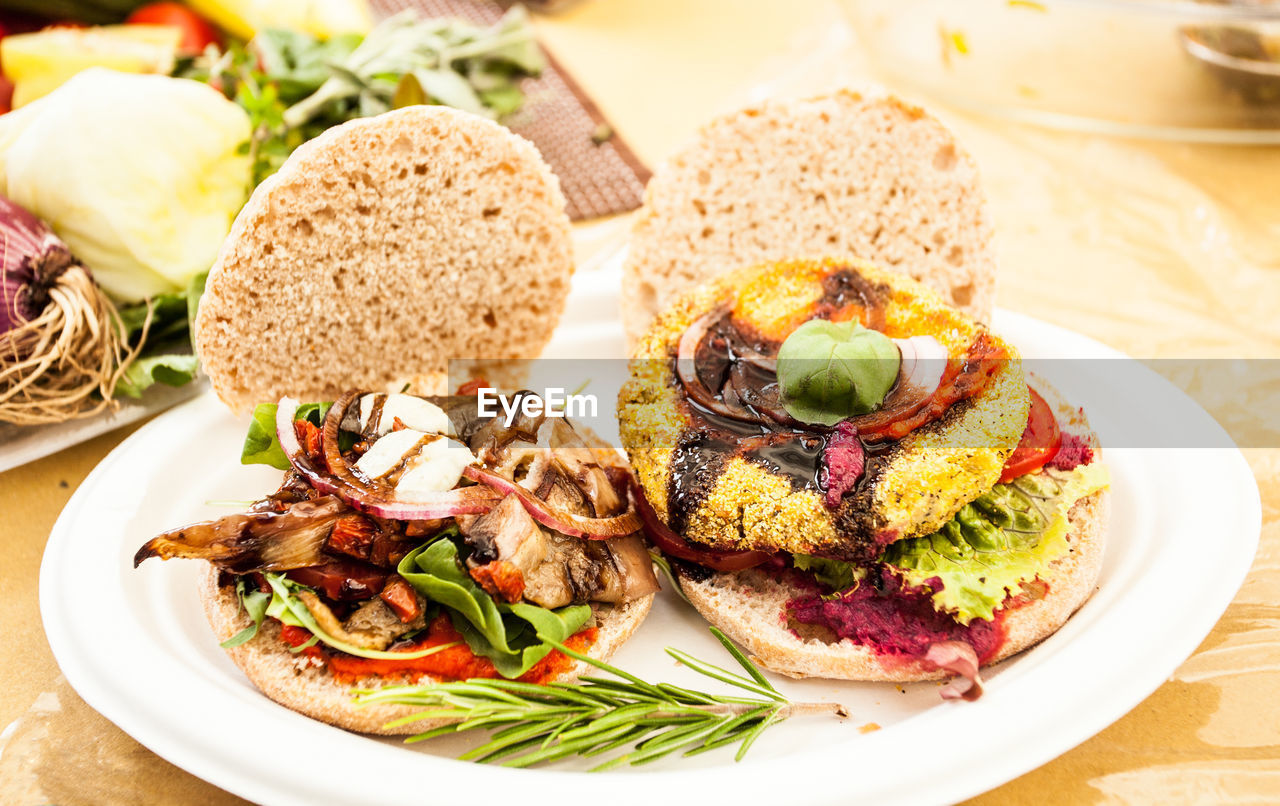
[(135, 645)]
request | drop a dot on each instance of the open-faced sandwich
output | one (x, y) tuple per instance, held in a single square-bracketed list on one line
[(410, 539), (855, 480)]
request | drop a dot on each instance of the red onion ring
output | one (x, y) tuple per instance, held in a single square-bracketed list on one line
[(687, 370), (333, 453), (958, 658), (672, 544), (567, 523), (462, 501)]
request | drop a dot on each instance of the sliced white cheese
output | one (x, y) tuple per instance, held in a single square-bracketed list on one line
[(387, 453), (437, 467), (414, 412)]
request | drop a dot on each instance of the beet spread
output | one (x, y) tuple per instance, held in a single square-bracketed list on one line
[(895, 620), (1075, 451)]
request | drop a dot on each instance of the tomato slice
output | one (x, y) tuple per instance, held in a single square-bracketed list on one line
[(1040, 441), (197, 32)]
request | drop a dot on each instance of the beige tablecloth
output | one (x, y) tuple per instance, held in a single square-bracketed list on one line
[(1160, 250)]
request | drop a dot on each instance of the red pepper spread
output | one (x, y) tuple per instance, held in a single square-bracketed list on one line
[(455, 663)]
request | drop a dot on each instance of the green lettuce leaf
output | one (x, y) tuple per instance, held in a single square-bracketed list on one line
[(261, 446), (998, 542), (507, 634), (170, 369), (835, 574), (168, 354)]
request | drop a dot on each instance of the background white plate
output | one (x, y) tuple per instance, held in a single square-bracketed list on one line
[(135, 645)]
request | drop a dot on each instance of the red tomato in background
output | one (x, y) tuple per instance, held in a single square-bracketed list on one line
[(1040, 441), (197, 32)]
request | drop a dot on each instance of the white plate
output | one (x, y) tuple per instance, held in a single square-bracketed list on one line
[(135, 645)]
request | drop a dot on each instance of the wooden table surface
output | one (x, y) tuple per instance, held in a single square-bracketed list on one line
[(1161, 250)]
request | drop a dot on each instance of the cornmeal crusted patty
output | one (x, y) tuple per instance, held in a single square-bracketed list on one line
[(910, 488)]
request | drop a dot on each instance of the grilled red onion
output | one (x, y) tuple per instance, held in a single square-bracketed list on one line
[(674, 545), (461, 501), (958, 658), (924, 360), (333, 453), (687, 371), (568, 523)]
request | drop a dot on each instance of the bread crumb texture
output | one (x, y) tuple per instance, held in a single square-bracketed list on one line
[(382, 249), (840, 175)]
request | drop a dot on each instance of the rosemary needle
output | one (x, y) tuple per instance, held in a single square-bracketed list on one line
[(533, 723)]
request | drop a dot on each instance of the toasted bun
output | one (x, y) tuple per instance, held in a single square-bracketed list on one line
[(750, 606), (380, 250), (840, 175), (304, 685)]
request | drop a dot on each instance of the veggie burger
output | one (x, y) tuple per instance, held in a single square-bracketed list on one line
[(855, 480)]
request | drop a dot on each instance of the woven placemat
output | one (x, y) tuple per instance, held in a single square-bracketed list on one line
[(598, 173)]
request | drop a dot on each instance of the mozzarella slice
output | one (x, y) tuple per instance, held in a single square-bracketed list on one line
[(437, 467), (414, 412), (388, 452)]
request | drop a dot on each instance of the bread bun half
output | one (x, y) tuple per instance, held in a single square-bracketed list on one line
[(842, 175), (307, 686), (750, 606), (381, 250)]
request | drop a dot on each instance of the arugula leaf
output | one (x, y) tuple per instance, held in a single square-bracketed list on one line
[(261, 446), (507, 634), (255, 604), (998, 542)]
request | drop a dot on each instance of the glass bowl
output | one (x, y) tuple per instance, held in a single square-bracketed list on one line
[(1169, 69)]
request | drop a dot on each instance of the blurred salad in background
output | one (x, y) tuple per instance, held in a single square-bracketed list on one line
[(136, 134)]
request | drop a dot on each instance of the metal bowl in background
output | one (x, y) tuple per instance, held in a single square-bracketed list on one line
[(1168, 69)]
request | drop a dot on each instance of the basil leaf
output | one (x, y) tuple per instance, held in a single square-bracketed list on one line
[(830, 371)]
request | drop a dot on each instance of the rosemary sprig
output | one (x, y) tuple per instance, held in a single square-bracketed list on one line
[(535, 723)]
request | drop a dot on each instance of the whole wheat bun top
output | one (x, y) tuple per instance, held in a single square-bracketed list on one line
[(380, 250), (841, 175)]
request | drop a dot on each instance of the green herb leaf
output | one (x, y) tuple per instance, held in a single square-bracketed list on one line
[(830, 371), (536, 724), (997, 543), (294, 86), (255, 604), (513, 636), (261, 446), (286, 607), (835, 574), (171, 370)]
